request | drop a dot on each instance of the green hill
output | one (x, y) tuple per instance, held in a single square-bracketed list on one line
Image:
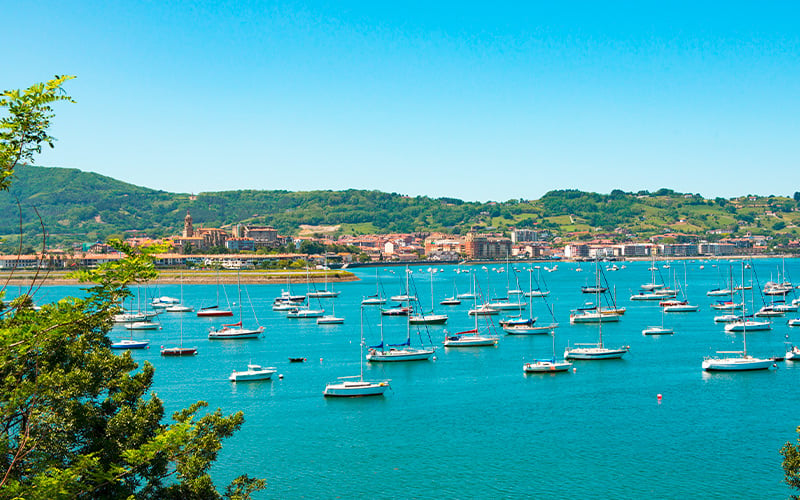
[(78, 206)]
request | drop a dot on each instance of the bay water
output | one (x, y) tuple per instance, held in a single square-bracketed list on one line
[(471, 424)]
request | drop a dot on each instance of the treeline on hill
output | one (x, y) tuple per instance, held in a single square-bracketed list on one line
[(82, 207)]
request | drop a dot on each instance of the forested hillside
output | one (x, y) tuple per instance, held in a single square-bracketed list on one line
[(78, 206)]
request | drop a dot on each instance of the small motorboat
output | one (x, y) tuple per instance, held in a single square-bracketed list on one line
[(253, 372)]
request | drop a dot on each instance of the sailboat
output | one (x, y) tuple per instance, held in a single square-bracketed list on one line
[(356, 386), (684, 305), (178, 307), (743, 362), (179, 350), (520, 326), (595, 351), (136, 317), (377, 299), (214, 311), (594, 313), (236, 330), (548, 365), (330, 319), (470, 338), (452, 300), (653, 285), (538, 292), (471, 294), (405, 295), (324, 294), (398, 352), (130, 343), (747, 322), (430, 318), (658, 330), (287, 298), (598, 350)]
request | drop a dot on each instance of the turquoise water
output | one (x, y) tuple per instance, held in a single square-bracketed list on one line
[(470, 424)]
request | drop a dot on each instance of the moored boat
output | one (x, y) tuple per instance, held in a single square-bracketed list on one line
[(253, 373)]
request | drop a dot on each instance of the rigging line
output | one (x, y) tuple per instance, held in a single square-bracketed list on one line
[(758, 284), (252, 307)]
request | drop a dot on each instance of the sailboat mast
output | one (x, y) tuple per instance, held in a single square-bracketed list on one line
[(361, 343), (239, 286), (599, 309), (744, 319)]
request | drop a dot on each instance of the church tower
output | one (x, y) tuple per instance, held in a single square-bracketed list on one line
[(188, 230)]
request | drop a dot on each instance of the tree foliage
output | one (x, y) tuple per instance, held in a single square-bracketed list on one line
[(77, 420), (791, 465), (24, 130)]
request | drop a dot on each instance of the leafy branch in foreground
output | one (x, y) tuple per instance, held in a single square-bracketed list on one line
[(76, 420), (23, 132), (791, 465)]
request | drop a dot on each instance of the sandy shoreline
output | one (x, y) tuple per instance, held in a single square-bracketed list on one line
[(250, 277), (191, 278)]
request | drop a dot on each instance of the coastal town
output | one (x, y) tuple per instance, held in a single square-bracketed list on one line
[(243, 246)]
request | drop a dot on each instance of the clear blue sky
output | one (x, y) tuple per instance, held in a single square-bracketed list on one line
[(468, 100)]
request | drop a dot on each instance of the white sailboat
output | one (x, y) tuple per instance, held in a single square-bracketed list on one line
[(398, 352), (469, 338), (658, 330), (520, 326), (143, 325), (330, 319), (405, 295), (598, 350), (236, 330), (179, 307), (684, 305), (595, 313), (743, 362), (550, 365), (471, 294), (538, 291), (424, 318), (378, 299), (356, 386), (326, 293)]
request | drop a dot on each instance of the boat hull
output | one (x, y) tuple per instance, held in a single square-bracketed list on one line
[(750, 326), (433, 319), (330, 320), (178, 351), (130, 344), (235, 333), (396, 355), (591, 353), (681, 308), (142, 325), (527, 330), (593, 318), (657, 330), (252, 375), (547, 367), (213, 314), (355, 389), (470, 341), (736, 364)]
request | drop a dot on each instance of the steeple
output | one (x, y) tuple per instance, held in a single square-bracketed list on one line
[(188, 230)]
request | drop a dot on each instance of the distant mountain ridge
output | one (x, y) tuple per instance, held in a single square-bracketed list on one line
[(78, 206)]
